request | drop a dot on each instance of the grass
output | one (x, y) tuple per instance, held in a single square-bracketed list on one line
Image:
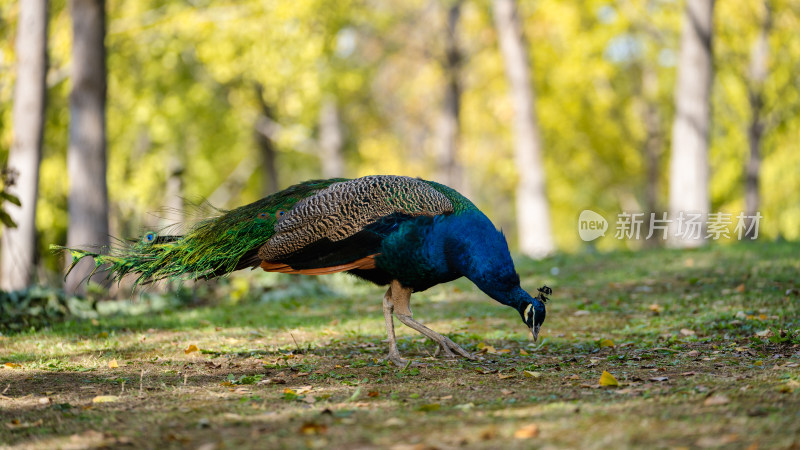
[(705, 347)]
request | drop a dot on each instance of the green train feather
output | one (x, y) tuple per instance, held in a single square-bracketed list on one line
[(197, 253)]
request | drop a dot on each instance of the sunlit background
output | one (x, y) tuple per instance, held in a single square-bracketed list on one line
[(193, 84)]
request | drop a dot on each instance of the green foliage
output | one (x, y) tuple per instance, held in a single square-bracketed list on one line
[(183, 80)]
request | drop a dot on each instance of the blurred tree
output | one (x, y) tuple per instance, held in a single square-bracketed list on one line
[(331, 140), (689, 164), (533, 210), (86, 158), (19, 243), (757, 76), (449, 170)]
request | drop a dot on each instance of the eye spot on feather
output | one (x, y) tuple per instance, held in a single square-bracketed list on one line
[(279, 213), (149, 237), (263, 215)]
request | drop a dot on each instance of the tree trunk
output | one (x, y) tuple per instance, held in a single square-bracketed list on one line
[(330, 139), (533, 211), (653, 147), (264, 130), (449, 168), (755, 129), (86, 156), (19, 244), (689, 166)]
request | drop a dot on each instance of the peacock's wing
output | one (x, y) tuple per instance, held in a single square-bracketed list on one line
[(341, 227)]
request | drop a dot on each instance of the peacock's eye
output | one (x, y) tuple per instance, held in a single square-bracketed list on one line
[(149, 237), (279, 213), (263, 215)]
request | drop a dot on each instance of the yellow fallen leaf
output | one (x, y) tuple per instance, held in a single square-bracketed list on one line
[(606, 343), (687, 332), (503, 376), (505, 350), (313, 428), (527, 432), (190, 349), (105, 399), (606, 379), (113, 364), (10, 365), (523, 352), (486, 348), (656, 308), (531, 374)]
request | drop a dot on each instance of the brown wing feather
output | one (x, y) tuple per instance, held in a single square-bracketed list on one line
[(345, 208), (365, 263)]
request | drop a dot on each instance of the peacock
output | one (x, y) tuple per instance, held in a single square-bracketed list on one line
[(407, 233)]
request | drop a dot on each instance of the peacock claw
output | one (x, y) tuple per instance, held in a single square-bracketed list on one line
[(398, 361)]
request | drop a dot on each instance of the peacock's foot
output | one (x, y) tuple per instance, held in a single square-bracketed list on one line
[(449, 349), (399, 361)]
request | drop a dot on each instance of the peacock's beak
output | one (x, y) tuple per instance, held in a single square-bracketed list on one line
[(535, 331)]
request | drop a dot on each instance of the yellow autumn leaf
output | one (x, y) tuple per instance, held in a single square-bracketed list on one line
[(504, 376), (10, 365), (105, 399), (190, 349), (530, 374), (606, 343), (504, 350), (523, 352), (606, 379), (113, 364), (527, 432)]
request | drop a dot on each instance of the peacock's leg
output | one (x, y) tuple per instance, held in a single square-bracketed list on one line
[(401, 299), (388, 307)]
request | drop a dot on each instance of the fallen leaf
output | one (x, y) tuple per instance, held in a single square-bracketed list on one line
[(373, 394), (530, 374), (527, 432), (105, 399), (504, 376), (606, 379), (506, 392), (10, 365), (693, 354), (523, 352), (113, 364), (303, 389), (688, 374), (15, 424), (659, 379), (190, 349), (606, 343), (716, 400), (488, 433), (687, 332), (764, 333), (313, 428), (656, 308), (102, 334), (740, 288)]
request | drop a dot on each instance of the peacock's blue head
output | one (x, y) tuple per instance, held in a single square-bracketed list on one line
[(533, 311)]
